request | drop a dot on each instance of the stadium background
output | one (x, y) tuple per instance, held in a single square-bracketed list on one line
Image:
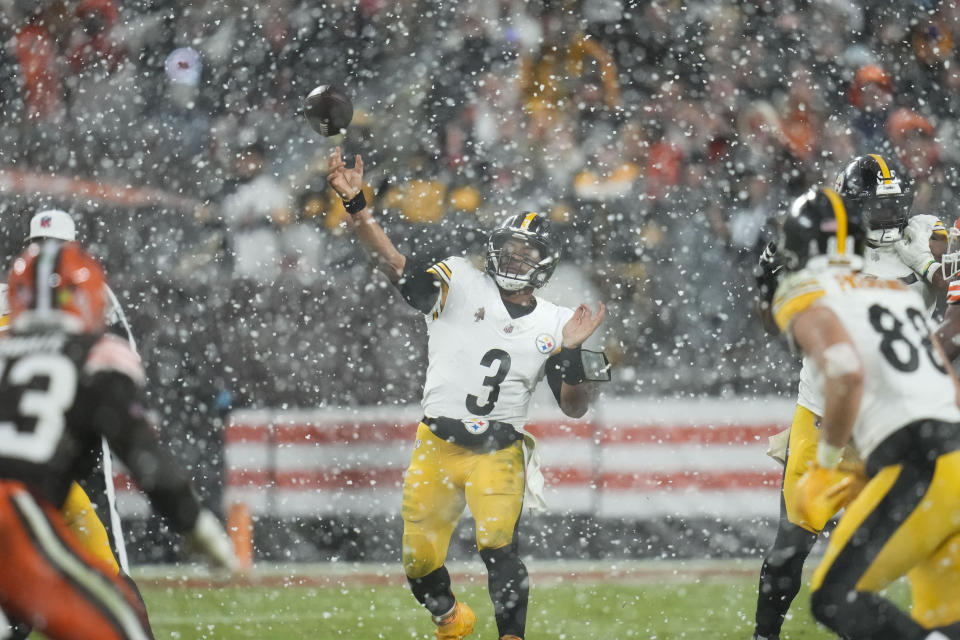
[(659, 136)]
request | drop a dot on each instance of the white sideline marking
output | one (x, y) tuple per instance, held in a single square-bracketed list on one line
[(206, 619), (545, 572)]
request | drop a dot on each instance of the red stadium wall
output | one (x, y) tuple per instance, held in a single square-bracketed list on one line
[(632, 459)]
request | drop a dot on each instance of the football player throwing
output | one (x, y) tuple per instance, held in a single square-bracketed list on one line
[(490, 341)]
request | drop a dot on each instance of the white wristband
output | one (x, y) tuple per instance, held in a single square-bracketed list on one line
[(931, 270), (828, 456)]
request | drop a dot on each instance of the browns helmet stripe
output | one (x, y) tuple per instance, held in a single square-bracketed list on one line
[(45, 275), (953, 292), (53, 276)]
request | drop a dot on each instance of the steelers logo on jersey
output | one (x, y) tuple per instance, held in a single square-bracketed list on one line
[(476, 425), (546, 343)]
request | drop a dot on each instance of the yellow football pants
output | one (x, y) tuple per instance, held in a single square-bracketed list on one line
[(922, 541), (935, 587), (934, 583), (800, 456), (84, 523), (443, 478)]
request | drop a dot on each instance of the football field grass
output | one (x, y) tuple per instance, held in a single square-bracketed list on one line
[(570, 605), (558, 612)]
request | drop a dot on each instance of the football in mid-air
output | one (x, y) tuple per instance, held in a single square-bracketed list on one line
[(328, 109)]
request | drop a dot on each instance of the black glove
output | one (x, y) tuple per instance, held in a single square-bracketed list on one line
[(767, 277), (767, 274)]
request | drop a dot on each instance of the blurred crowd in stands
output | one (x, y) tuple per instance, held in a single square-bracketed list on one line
[(659, 135)]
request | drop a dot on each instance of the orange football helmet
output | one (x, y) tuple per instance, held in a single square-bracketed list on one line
[(52, 277)]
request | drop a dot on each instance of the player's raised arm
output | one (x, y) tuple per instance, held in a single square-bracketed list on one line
[(348, 183)]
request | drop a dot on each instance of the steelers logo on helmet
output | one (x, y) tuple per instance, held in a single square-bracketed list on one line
[(522, 252), (820, 231), (874, 188)]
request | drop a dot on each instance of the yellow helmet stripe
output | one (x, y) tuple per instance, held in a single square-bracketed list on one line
[(884, 171), (840, 213), (526, 221)]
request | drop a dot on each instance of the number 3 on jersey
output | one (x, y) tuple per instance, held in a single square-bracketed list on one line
[(41, 413), (502, 358)]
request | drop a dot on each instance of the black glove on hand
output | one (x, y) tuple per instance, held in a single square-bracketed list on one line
[(767, 274)]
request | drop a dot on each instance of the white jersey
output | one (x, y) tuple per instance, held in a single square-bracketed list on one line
[(905, 379), (880, 262), (482, 364)]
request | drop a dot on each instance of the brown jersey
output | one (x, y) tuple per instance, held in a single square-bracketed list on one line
[(59, 393)]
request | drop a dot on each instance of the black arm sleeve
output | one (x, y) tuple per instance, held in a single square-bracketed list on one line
[(120, 417), (419, 288), (555, 375)]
